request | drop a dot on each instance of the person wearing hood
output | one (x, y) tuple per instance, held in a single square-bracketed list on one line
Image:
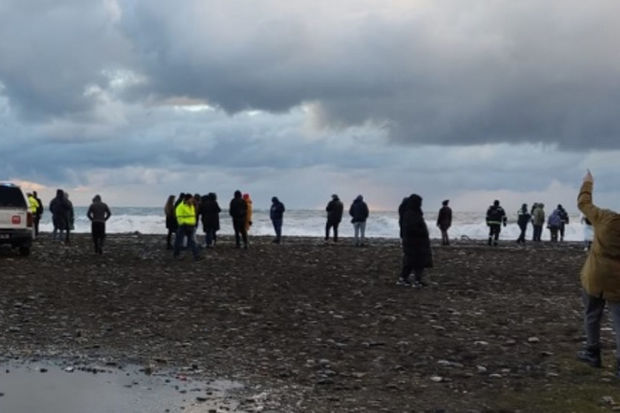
[(359, 214), (523, 219), (496, 216), (210, 213), (444, 221), (61, 210), (98, 213), (538, 220), (600, 275), (237, 211), (276, 214), (185, 213), (417, 253), (564, 221), (553, 223), (38, 214), (334, 210), (171, 220)]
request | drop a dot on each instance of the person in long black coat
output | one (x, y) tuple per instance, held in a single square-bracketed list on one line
[(237, 210), (417, 254), (210, 216)]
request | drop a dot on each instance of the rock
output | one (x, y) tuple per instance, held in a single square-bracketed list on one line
[(437, 379), (481, 369), (495, 376), (607, 400), (533, 340), (480, 343)]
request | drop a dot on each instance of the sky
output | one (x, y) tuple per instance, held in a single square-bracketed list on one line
[(468, 101)]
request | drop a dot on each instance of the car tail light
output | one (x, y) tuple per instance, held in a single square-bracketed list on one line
[(29, 219), (16, 220)]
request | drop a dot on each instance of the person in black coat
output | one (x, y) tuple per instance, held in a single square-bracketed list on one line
[(38, 213), (564, 218), (237, 210), (444, 221), (522, 220), (496, 216), (276, 214), (334, 216), (61, 210), (359, 214), (401, 211), (417, 254), (210, 216)]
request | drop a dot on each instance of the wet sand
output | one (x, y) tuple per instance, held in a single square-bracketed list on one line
[(306, 326)]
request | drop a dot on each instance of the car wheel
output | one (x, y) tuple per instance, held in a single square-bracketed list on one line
[(24, 251)]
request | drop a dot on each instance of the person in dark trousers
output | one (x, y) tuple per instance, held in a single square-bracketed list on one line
[(98, 213), (417, 254), (523, 219), (538, 220), (496, 216), (599, 276), (185, 213), (334, 210), (237, 210), (444, 221), (359, 215), (564, 220), (276, 214), (554, 222), (61, 210), (38, 214), (171, 220), (210, 213)]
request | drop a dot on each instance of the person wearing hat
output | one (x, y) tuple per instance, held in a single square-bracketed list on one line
[(417, 253), (334, 216), (496, 216), (444, 221)]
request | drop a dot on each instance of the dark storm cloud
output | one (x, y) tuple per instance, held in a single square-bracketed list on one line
[(427, 72)]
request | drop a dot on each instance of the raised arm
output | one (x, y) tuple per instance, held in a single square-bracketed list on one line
[(584, 200)]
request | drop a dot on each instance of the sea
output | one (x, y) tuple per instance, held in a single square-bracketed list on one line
[(311, 223)]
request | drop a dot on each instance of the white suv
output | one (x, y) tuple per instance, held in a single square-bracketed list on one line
[(16, 222)]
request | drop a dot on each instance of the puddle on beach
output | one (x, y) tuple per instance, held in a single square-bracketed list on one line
[(46, 387)]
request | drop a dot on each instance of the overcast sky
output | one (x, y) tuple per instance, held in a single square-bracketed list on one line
[(466, 100)]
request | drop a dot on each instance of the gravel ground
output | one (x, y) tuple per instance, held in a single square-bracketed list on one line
[(308, 326)]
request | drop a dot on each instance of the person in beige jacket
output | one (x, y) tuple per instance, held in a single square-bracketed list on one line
[(600, 276)]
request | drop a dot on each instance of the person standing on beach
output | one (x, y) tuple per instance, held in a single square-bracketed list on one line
[(237, 210), (444, 221), (538, 220), (210, 213), (33, 207), (171, 220), (553, 223), (600, 275), (417, 253), (495, 218), (401, 211), (38, 214), (276, 214), (359, 214), (564, 220), (334, 209), (98, 213), (248, 212), (185, 213), (523, 219), (61, 208)]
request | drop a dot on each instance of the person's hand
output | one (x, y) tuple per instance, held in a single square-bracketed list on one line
[(588, 177)]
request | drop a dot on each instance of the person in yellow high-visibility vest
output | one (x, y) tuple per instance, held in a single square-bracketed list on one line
[(33, 207), (185, 213)]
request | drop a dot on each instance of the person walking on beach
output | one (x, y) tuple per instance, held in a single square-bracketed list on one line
[(553, 223), (61, 208), (38, 214), (564, 220), (210, 213), (334, 210), (171, 220), (417, 254), (185, 213), (538, 220), (444, 221), (600, 275), (276, 214), (496, 216), (359, 214), (98, 213), (523, 219), (237, 210), (588, 233)]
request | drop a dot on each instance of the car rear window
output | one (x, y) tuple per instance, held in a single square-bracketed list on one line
[(11, 197)]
